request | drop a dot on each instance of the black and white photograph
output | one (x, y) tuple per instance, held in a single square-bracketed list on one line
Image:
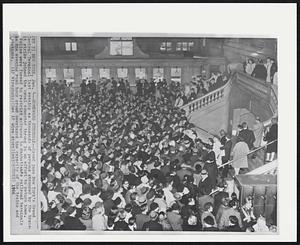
[(159, 134), (155, 122)]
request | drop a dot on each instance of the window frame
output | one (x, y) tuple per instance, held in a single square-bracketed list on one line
[(164, 47), (70, 43), (121, 40)]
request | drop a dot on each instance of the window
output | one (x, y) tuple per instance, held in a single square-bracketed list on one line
[(50, 74), (166, 46), (71, 46), (176, 74), (121, 46), (69, 75), (158, 73), (184, 46), (122, 72), (86, 74), (104, 73), (140, 73)]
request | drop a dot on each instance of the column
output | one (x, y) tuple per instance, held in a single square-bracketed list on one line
[(167, 73), (131, 75), (59, 73), (95, 73), (77, 75)]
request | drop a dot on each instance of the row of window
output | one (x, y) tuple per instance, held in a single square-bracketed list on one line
[(180, 46), (124, 46), (140, 73)]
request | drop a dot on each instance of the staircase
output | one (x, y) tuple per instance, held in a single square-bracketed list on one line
[(213, 107), (269, 168)]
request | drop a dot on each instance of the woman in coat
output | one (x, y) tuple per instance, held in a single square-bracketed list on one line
[(239, 155), (258, 130)]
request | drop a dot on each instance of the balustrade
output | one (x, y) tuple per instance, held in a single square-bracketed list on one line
[(206, 100)]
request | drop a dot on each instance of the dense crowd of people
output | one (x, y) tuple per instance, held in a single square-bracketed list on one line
[(265, 71), (114, 160), (178, 93)]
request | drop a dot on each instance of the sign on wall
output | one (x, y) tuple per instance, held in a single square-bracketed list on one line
[(158, 73), (69, 75), (140, 73), (86, 73), (50, 74), (122, 72), (176, 74), (104, 73), (127, 48)]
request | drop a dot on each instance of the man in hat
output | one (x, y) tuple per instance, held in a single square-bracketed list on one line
[(209, 224), (108, 202), (71, 222), (121, 224), (205, 185), (152, 224), (174, 218), (247, 135), (142, 217)]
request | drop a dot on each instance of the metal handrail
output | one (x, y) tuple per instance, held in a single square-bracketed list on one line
[(259, 148)]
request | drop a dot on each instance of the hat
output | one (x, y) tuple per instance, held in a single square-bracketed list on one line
[(209, 220), (153, 215), (178, 196), (203, 171), (153, 206), (87, 202), (144, 190), (142, 200)]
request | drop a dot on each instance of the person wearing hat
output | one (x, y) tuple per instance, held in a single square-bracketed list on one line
[(142, 218), (150, 196), (208, 211), (86, 219), (227, 213), (191, 223), (247, 135), (152, 224), (157, 174), (121, 224), (205, 185), (160, 200), (183, 170), (107, 201), (71, 222), (175, 218), (233, 225), (209, 224)]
